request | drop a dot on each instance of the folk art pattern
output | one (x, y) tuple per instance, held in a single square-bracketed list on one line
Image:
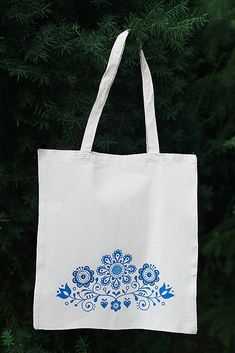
[(116, 284)]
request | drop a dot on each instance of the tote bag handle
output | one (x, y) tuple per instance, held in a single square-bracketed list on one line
[(152, 143)]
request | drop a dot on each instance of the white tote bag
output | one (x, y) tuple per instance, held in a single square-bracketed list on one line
[(117, 236)]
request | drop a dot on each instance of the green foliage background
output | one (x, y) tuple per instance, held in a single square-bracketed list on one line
[(52, 57)]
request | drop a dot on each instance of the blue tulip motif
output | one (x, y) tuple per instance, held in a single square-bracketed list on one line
[(65, 292), (165, 292)]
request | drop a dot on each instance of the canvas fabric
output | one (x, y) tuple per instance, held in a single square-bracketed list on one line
[(117, 234)]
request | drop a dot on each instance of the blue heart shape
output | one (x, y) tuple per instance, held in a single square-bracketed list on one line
[(127, 303), (104, 304)]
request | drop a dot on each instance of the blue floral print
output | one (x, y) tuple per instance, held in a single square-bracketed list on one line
[(149, 274), (83, 276), (117, 287), (116, 269), (116, 305)]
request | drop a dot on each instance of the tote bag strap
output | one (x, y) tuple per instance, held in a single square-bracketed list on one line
[(152, 143)]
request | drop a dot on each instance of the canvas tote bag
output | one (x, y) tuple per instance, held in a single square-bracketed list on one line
[(117, 235)]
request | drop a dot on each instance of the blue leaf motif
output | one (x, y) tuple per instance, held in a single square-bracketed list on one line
[(65, 292), (143, 292), (116, 293), (88, 293), (165, 292)]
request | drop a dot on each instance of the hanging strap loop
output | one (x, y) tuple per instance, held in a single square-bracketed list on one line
[(152, 142)]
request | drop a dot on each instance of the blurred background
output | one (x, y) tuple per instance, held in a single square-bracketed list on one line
[(52, 57)]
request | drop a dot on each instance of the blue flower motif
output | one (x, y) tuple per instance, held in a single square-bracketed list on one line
[(149, 274), (116, 305), (116, 269), (65, 292), (83, 276), (165, 291)]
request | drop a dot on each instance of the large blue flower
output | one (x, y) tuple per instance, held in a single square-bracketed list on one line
[(83, 276), (149, 274), (116, 269)]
